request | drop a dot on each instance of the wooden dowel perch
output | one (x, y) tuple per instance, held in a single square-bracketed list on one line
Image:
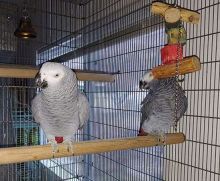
[(186, 15), (27, 71), (187, 65), (31, 153)]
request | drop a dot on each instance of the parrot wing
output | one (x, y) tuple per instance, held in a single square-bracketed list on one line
[(83, 106), (146, 109), (36, 108), (158, 109)]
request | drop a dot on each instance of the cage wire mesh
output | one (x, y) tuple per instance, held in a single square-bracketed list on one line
[(120, 36)]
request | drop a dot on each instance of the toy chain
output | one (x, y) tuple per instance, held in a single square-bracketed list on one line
[(177, 78)]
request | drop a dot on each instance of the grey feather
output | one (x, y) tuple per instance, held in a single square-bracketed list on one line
[(83, 106), (158, 107), (61, 109)]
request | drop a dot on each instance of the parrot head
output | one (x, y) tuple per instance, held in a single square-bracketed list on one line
[(52, 74), (147, 80)]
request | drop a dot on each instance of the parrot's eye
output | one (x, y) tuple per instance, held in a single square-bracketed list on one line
[(57, 75)]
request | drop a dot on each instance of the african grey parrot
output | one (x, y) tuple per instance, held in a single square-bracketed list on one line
[(60, 108), (158, 107)]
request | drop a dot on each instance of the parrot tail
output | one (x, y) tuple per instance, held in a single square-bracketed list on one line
[(59, 139), (142, 133)]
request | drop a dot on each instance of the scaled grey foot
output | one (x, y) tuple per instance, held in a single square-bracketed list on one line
[(54, 146), (69, 144)]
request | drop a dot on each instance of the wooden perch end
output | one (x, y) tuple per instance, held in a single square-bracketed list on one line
[(187, 65), (186, 15), (28, 71), (31, 153)]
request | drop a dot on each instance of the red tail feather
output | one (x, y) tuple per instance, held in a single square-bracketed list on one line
[(142, 133), (59, 139)]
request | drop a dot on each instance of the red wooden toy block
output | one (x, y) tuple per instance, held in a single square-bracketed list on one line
[(169, 53)]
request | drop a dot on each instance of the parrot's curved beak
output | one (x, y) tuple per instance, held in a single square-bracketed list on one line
[(39, 83), (143, 85)]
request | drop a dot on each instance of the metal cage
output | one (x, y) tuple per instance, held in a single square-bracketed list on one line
[(124, 37)]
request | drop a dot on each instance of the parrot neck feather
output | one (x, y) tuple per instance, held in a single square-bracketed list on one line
[(65, 90)]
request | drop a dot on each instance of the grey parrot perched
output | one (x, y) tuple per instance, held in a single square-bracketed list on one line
[(158, 107), (60, 108)]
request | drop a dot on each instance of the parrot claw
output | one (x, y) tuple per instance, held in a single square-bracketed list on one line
[(54, 146), (69, 145), (162, 138)]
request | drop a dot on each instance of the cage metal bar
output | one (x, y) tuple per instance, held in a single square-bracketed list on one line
[(94, 45)]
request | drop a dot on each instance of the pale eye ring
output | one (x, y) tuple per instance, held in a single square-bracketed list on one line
[(57, 75)]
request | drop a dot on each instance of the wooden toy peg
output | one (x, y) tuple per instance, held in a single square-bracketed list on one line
[(173, 14)]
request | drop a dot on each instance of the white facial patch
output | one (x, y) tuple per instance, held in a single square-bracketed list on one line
[(148, 77), (52, 73)]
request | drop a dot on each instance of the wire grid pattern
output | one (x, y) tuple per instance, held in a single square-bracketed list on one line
[(53, 21), (128, 40), (120, 36)]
